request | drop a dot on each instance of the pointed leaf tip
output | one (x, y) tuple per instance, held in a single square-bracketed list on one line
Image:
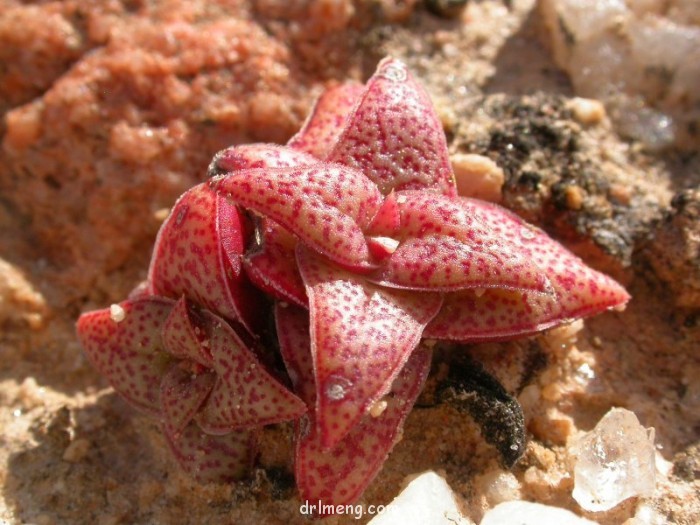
[(340, 475), (123, 343), (327, 119), (245, 395), (361, 336), (325, 205), (395, 136)]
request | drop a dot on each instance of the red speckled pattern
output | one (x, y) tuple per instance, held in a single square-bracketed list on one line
[(361, 336), (245, 394), (213, 459), (250, 156), (182, 338), (449, 245), (182, 392), (327, 119), (270, 265), (129, 353), (387, 220), (325, 205), (189, 259), (394, 135), (579, 289), (341, 474)]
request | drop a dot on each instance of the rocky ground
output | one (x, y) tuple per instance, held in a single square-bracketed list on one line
[(113, 108)]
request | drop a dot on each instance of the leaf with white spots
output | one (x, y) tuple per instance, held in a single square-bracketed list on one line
[(182, 392), (325, 205), (214, 459), (340, 475), (197, 254), (124, 345), (327, 119), (245, 394), (361, 336), (394, 135)]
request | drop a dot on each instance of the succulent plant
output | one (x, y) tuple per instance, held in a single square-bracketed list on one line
[(354, 238)]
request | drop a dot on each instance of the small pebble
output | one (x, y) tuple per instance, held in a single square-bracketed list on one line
[(477, 176), (76, 451), (587, 111)]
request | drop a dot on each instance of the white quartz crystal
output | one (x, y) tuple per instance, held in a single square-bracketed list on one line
[(641, 57), (613, 462), (527, 513), (427, 500)]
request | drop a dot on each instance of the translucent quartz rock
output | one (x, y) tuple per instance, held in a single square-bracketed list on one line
[(526, 513), (614, 461), (427, 500)]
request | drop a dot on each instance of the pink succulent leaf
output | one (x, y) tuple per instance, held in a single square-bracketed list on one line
[(325, 205), (198, 255), (123, 343), (249, 156), (182, 392), (494, 315), (388, 218), (340, 475), (245, 394), (395, 136), (292, 325), (579, 289), (213, 459), (361, 336), (182, 335), (272, 265), (327, 119), (449, 244)]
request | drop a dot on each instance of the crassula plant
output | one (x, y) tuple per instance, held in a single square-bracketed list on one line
[(353, 237)]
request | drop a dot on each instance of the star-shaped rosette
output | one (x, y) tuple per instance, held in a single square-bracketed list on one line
[(189, 369), (354, 233), (372, 238)]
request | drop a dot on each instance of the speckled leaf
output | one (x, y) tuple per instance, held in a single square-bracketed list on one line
[(248, 156), (245, 394), (327, 119), (272, 265), (361, 336), (128, 351), (292, 325), (182, 337), (388, 218), (182, 392), (197, 253), (449, 244), (494, 315), (394, 135), (214, 459), (326, 205), (580, 290), (341, 475)]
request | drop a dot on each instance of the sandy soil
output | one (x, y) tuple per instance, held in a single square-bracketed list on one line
[(112, 109)]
